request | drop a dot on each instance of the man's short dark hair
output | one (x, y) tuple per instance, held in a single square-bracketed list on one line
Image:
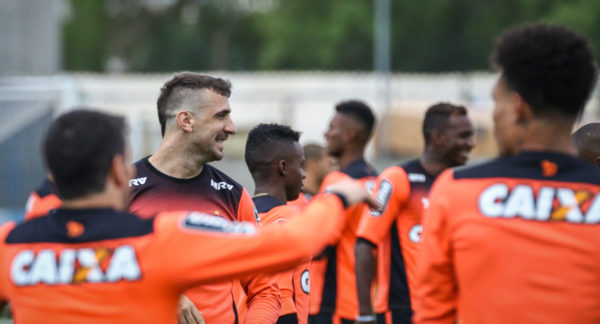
[(360, 112), (79, 148), (170, 98), (313, 152), (268, 143), (436, 117), (587, 142), (551, 67)]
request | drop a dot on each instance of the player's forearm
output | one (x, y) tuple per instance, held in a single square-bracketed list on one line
[(263, 307), (365, 262)]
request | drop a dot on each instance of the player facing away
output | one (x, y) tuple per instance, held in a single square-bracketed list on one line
[(587, 142), (90, 261), (333, 297), (515, 240), (396, 230), (274, 158), (194, 116), (317, 164)]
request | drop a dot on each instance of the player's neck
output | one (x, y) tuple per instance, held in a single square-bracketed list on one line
[(541, 135), (105, 199), (350, 155), (174, 160), (433, 163), (262, 189)]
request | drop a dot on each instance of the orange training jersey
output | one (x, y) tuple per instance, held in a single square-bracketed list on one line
[(103, 266), (214, 193), (514, 240), (294, 285), (333, 277), (396, 232), (41, 200), (301, 202)]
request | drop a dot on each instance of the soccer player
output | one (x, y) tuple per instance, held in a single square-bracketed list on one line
[(587, 142), (194, 116), (333, 297), (396, 230), (41, 200), (274, 158), (317, 164), (515, 240), (90, 261)]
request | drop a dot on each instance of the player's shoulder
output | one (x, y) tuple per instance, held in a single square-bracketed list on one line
[(220, 179), (549, 166), (266, 203), (360, 169)]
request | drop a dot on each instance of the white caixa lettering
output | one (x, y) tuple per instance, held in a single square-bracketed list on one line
[(548, 204), (52, 268)]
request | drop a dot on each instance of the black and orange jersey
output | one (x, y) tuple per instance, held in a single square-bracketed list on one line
[(396, 231), (41, 200), (105, 266), (301, 202), (333, 277), (294, 285), (513, 240), (214, 193)]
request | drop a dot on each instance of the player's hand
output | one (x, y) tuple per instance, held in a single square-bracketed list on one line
[(354, 192), (187, 313)]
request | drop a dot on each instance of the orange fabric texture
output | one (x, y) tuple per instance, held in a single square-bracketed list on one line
[(116, 280), (510, 242)]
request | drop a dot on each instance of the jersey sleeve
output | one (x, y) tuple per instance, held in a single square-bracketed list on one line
[(4, 261), (436, 293), (392, 191), (332, 178), (246, 210), (37, 206), (232, 250)]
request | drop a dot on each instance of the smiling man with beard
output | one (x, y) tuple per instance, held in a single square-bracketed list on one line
[(194, 115), (395, 230)]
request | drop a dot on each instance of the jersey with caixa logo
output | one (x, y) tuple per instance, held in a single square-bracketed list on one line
[(396, 231), (514, 240), (214, 193)]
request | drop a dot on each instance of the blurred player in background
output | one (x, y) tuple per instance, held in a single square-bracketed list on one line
[(274, 157), (194, 115), (587, 142), (41, 200), (333, 282), (317, 164), (91, 262), (396, 230), (515, 240)]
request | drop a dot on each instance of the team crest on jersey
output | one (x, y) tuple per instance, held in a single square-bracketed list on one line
[(305, 281), (383, 197), (75, 266), (205, 222), (548, 204)]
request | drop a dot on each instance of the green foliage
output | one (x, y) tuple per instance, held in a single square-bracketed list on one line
[(440, 35)]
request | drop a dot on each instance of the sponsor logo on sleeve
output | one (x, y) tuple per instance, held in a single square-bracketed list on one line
[(220, 185), (383, 197), (75, 266), (137, 181), (547, 204), (204, 222)]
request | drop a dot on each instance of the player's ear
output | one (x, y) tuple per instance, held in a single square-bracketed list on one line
[(282, 167), (522, 110), (119, 172), (597, 160), (437, 137), (185, 120)]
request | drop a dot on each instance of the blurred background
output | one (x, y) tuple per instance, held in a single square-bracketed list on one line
[(290, 61)]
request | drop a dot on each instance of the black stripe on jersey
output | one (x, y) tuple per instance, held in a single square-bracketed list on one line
[(360, 169), (527, 165), (330, 282), (288, 319), (98, 225), (265, 203), (415, 168), (399, 298)]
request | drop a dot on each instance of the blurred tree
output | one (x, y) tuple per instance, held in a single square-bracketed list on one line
[(166, 35)]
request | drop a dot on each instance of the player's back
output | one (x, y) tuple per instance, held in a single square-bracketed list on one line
[(88, 266), (523, 234)]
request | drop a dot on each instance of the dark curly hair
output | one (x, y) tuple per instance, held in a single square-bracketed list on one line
[(437, 117), (170, 95), (550, 66), (267, 143), (361, 112)]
